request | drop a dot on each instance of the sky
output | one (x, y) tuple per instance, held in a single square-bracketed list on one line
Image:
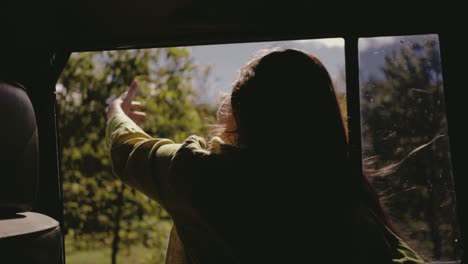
[(227, 59)]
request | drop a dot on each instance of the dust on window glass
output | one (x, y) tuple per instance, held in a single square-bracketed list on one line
[(405, 144)]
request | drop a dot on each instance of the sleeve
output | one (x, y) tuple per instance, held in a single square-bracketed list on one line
[(138, 159)]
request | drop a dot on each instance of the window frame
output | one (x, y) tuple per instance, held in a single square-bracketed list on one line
[(50, 196)]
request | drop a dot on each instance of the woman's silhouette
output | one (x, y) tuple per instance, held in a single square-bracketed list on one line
[(273, 183)]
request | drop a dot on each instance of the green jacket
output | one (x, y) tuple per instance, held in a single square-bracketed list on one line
[(222, 214)]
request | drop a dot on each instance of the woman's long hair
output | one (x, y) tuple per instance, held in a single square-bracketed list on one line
[(284, 102)]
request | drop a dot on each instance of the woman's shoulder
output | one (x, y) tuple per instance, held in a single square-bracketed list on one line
[(194, 144), (198, 166), (198, 146), (194, 152)]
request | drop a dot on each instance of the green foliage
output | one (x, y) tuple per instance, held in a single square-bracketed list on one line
[(91, 192), (400, 113)]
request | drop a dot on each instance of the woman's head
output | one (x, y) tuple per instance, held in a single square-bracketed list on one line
[(284, 110), (283, 93)]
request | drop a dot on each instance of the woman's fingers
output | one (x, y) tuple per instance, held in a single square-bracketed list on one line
[(131, 92), (137, 115), (126, 104), (136, 105)]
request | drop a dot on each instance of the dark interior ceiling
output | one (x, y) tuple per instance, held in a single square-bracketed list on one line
[(105, 24), (35, 31)]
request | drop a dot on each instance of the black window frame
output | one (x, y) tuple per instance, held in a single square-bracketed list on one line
[(50, 196)]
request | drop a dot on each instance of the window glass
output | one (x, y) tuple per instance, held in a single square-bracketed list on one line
[(405, 141)]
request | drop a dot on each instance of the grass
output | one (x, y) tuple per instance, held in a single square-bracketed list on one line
[(134, 255)]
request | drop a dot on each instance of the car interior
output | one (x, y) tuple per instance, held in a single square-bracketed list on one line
[(38, 39)]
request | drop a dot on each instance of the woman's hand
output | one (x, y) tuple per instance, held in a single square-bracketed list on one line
[(124, 104)]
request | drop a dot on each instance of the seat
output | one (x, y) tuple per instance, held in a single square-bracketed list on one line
[(25, 237)]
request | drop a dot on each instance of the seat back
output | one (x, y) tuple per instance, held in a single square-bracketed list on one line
[(18, 150)]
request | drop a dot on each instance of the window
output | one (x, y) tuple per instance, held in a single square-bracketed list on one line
[(405, 146), (180, 88)]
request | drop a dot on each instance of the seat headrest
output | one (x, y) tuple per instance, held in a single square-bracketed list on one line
[(18, 150)]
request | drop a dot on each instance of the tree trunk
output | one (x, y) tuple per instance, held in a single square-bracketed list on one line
[(117, 218)]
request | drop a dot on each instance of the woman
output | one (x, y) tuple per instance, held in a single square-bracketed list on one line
[(273, 183)]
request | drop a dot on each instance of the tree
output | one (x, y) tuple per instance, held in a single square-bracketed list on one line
[(98, 209), (404, 124)]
